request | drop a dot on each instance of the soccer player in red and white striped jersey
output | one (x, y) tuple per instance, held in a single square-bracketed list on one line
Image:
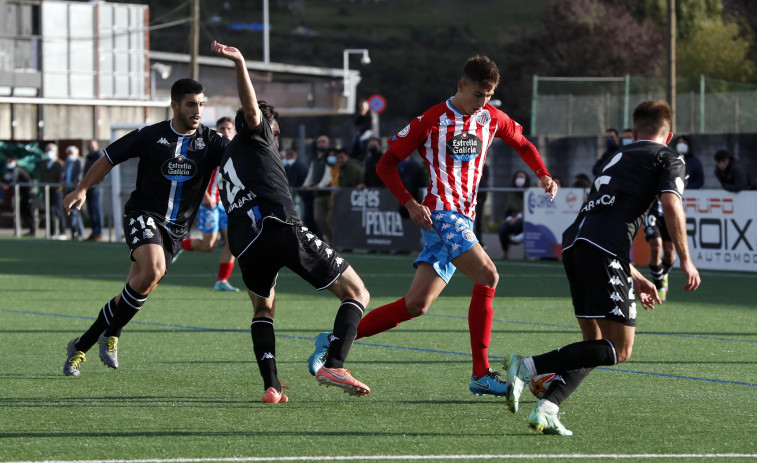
[(453, 138)]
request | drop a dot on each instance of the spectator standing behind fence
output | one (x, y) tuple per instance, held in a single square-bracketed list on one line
[(319, 178), (511, 231), (295, 168), (370, 176), (732, 174), (363, 131), (94, 195), (15, 174), (694, 169), (612, 143), (73, 169), (52, 173), (348, 173), (316, 172)]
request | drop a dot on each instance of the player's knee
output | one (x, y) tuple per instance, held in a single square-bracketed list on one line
[(487, 276), (417, 306), (153, 273)]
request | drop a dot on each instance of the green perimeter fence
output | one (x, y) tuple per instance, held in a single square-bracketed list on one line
[(586, 106)]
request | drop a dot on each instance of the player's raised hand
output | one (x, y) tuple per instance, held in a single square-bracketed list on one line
[(226, 51), (549, 185)]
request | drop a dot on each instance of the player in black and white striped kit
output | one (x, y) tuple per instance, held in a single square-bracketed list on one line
[(596, 257), (176, 159), (266, 234)]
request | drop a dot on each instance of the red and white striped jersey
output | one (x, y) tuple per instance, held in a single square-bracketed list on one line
[(454, 147), (213, 187)]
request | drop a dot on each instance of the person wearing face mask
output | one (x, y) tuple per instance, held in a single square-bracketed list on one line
[(627, 137), (15, 174), (694, 169), (512, 228), (51, 172), (295, 168), (612, 143)]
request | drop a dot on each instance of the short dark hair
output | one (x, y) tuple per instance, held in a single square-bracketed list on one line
[(482, 70), (185, 87), (613, 130), (651, 116), (722, 155), (224, 120)]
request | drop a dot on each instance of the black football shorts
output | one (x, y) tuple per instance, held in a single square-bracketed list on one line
[(600, 284), (295, 247), (140, 229)]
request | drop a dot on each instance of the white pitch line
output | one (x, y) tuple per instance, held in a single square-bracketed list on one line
[(412, 457)]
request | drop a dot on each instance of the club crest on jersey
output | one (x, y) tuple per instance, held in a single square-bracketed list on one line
[(483, 117), (464, 146), (404, 132), (178, 169), (199, 143)]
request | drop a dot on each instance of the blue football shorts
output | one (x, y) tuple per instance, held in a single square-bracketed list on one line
[(211, 220), (452, 235)]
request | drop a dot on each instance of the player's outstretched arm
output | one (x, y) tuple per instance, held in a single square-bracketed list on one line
[(675, 219), (244, 85), (95, 175)]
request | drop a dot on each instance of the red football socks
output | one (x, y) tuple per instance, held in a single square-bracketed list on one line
[(187, 244), (480, 315), (224, 270), (383, 318)]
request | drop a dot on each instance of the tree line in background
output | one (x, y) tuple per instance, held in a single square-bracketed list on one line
[(415, 65)]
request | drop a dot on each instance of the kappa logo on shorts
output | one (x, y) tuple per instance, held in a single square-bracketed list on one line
[(135, 240), (329, 251), (133, 230), (339, 261), (616, 297), (615, 264), (615, 280), (455, 247), (616, 311), (147, 234)]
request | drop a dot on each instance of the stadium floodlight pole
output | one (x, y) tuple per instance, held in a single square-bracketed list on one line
[(347, 89), (671, 87)]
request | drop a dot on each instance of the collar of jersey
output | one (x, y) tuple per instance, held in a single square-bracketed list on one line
[(449, 105), (170, 124)]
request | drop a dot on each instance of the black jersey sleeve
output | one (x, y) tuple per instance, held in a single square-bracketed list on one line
[(673, 175), (126, 147)]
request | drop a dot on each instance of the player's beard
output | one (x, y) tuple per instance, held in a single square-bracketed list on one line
[(187, 122)]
